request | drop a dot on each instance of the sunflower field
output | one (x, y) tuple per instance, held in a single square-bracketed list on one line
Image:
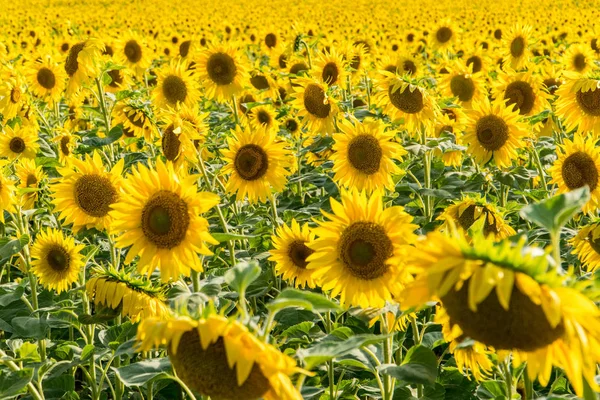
[(285, 200)]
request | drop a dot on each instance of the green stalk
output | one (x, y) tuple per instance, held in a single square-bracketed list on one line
[(15, 368), (540, 168), (105, 115)]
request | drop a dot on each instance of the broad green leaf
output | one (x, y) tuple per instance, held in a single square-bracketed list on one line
[(10, 296), (491, 390), (419, 366), (14, 383), (29, 351), (242, 275), (115, 134), (142, 372), (88, 352), (29, 327), (302, 299), (328, 350), (12, 247)]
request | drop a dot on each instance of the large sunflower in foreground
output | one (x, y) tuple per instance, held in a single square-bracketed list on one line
[(18, 142), (175, 86), (315, 105), (81, 63), (578, 103), (354, 248), (56, 260), (222, 72), (86, 192), (587, 246), (290, 253), (494, 132), (256, 162), (503, 296), (364, 155), (578, 164), (158, 218), (219, 357)]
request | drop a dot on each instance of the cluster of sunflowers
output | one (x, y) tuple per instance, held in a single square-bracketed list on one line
[(338, 202)]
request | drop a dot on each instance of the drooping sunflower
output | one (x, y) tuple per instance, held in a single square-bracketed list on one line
[(578, 103), (158, 218), (354, 250), (135, 119), (579, 58), (222, 72), (263, 118), (7, 194), (132, 52), (464, 213), (56, 260), (330, 68), (504, 296), (18, 142), (132, 297), (220, 358), (578, 164), (516, 46), (466, 86), (256, 163), (402, 100), (30, 177), (46, 79), (175, 86), (364, 155), (494, 132), (523, 92), (315, 105), (587, 246), (85, 193), (290, 252), (81, 63)]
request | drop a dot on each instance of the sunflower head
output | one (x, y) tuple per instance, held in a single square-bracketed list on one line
[(291, 251)]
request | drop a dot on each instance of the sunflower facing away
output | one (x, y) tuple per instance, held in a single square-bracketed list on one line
[(176, 85), (503, 296), (85, 193), (256, 163), (158, 218), (578, 103), (354, 248), (222, 72), (578, 164), (587, 246), (81, 63), (220, 358), (364, 155), (315, 105), (56, 260), (18, 142), (290, 253), (135, 119)]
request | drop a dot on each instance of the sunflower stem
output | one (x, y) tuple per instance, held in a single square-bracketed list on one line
[(555, 238), (307, 53), (183, 386), (528, 385), (195, 281), (105, 115), (388, 345), (540, 168), (274, 211), (235, 110), (427, 184), (299, 160), (15, 368), (507, 378)]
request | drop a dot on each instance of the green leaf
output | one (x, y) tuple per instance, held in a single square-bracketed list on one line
[(12, 247), (13, 383), (95, 141), (419, 366), (330, 349), (225, 237), (29, 351), (87, 352), (29, 327), (9, 297), (142, 372), (555, 212), (242, 275), (491, 390), (302, 299)]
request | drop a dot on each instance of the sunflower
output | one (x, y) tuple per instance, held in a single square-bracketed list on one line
[(263, 118), (579, 58), (30, 178), (407, 64), (357, 55), (587, 246), (263, 83), (132, 52), (175, 86), (256, 163), (504, 296), (292, 125), (184, 132), (460, 83), (7, 194), (158, 218), (353, 250), (135, 120), (12, 96), (402, 100), (219, 358), (56, 260), (133, 297), (65, 143), (222, 72), (86, 192), (119, 80), (494, 131), (46, 79), (315, 105), (464, 213), (290, 251), (364, 155), (18, 142), (445, 34), (578, 164), (330, 68), (81, 63), (522, 92), (578, 103), (516, 46)]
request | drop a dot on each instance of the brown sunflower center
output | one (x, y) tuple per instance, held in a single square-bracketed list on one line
[(165, 219), (64, 145), (579, 169), (444, 34), (15, 95), (589, 101), (364, 153), (184, 48), (520, 93), (170, 143), (259, 82), (579, 62), (297, 68), (46, 78), (16, 145), (517, 47), (174, 89), (58, 258), (94, 194), (263, 117), (475, 62), (364, 248), (391, 68), (271, 40), (251, 162), (405, 100), (462, 87), (291, 125), (551, 84), (132, 116), (221, 68), (71, 63), (467, 219), (409, 66), (523, 326), (492, 132), (31, 180), (330, 73), (282, 61), (133, 51), (208, 373), (315, 101), (298, 252)]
